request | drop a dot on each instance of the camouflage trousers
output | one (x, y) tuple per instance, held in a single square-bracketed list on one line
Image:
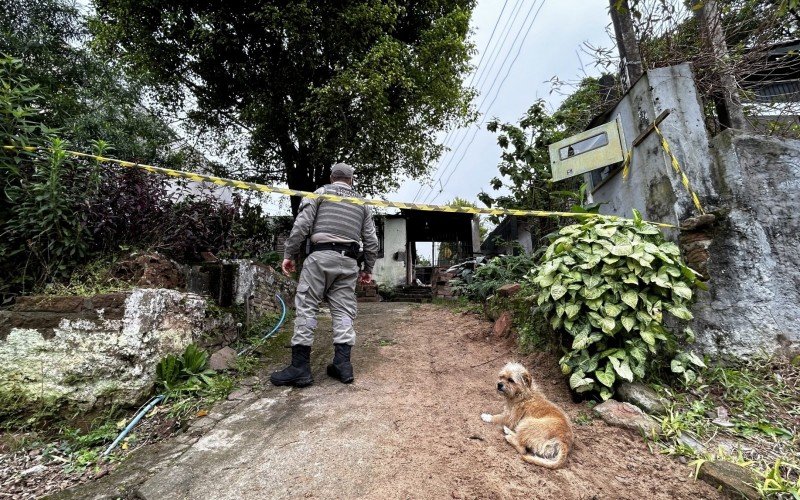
[(326, 275)]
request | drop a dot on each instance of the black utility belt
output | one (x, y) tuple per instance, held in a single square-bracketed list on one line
[(346, 249)]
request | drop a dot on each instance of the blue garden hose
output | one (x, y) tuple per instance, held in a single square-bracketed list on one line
[(275, 329), (157, 399), (149, 406)]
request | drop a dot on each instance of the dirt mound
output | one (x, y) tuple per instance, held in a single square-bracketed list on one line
[(150, 270)]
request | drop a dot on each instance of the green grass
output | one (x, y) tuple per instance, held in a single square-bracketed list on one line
[(762, 397)]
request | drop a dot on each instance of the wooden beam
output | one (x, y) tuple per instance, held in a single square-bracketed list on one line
[(649, 130)]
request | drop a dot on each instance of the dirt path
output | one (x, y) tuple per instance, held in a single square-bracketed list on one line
[(409, 427)]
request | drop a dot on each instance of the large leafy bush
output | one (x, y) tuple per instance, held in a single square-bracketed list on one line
[(608, 283)]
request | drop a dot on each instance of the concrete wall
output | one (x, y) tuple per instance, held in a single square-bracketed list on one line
[(390, 270), (753, 303), (652, 187), (751, 183), (256, 285), (89, 353)]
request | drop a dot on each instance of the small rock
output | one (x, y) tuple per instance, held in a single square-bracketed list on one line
[(509, 289), (36, 469), (642, 396), (627, 416), (166, 427), (687, 440), (736, 481), (239, 394), (250, 381), (502, 327), (722, 417), (223, 359)]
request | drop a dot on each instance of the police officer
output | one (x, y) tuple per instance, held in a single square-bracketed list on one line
[(329, 272)]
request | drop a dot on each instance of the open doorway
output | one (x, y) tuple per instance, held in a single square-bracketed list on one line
[(436, 240)]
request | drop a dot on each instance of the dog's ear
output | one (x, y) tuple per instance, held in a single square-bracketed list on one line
[(526, 379)]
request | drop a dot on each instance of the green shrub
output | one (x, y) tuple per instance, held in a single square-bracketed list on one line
[(607, 284), (482, 282), (186, 373)]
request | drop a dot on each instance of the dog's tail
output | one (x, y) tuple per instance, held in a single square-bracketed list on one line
[(557, 460)]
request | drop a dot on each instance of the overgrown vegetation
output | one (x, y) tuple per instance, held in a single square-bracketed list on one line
[(755, 31), (59, 213), (608, 284), (483, 281), (746, 413)]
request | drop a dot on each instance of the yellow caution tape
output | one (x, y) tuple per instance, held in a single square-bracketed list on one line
[(675, 166), (626, 165), (251, 186)]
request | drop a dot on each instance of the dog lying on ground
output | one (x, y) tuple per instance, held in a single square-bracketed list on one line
[(534, 426)]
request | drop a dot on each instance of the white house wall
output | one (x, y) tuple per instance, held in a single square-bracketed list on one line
[(390, 270)]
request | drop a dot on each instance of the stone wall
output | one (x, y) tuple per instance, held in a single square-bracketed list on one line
[(750, 250), (91, 353), (255, 286)]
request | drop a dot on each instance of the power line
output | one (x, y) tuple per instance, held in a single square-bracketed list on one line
[(486, 96), (499, 88), (494, 56), (474, 74)]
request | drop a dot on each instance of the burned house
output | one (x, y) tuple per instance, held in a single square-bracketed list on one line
[(454, 237)]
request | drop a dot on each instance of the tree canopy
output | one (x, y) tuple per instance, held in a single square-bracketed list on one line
[(78, 93), (311, 82)]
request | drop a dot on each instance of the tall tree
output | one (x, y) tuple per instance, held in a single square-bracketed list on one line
[(313, 81), (80, 94)]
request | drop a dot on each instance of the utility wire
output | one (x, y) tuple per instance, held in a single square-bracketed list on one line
[(472, 79), (493, 57), (486, 97), (499, 88)]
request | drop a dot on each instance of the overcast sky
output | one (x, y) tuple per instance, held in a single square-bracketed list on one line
[(552, 48)]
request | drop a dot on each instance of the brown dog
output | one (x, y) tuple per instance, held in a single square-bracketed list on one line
[(534, 426)]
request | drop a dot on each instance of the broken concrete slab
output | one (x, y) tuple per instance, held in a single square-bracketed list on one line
[(642, 396), (627, 416), (736, 481)]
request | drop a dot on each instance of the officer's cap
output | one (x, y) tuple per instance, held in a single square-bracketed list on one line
[(342, 169)]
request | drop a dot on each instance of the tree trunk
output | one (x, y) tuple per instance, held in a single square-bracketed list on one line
[(726, 100), (627, 45)]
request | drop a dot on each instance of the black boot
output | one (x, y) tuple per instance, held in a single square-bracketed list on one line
[(298, 373), (341, 368)]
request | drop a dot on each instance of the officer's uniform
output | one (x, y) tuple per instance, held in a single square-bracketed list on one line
[(337, 230), (331, 271)]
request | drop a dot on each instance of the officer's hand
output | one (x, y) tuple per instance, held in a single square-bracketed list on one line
[(365, 278), (288, 267)]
